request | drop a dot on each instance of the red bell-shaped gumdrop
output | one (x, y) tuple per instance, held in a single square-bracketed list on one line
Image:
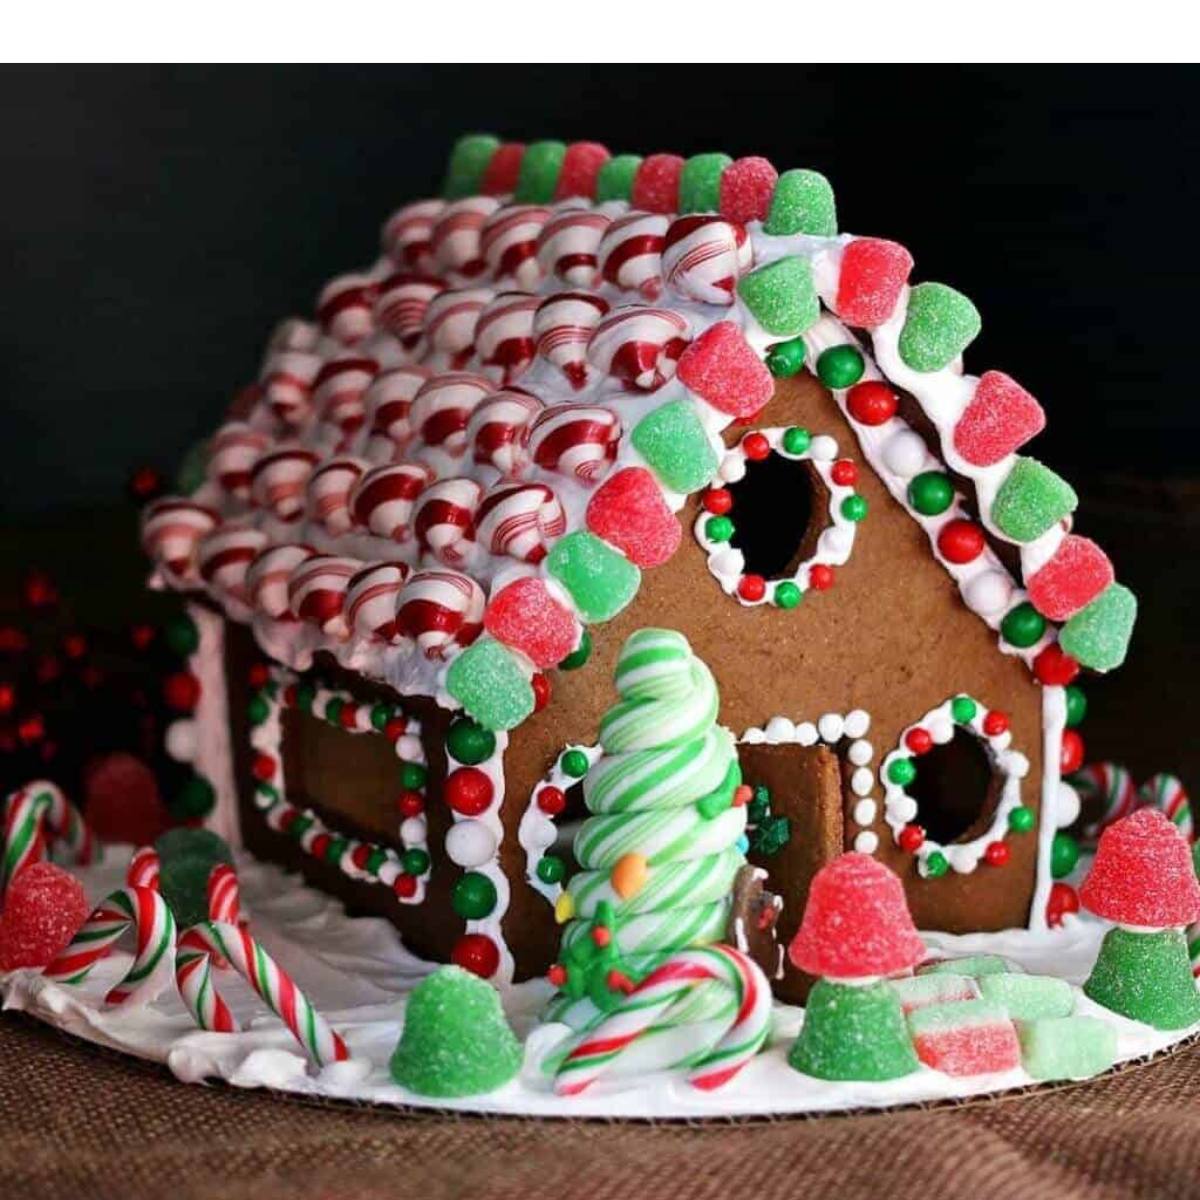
[(630, 513), (856, 922), (526, 616), (503, 169), (872, 277), (580, 166), (1075, 575), (656, 184), (1143, 874), (1000, 419), (44, 907), (721, 368), (746, 189)]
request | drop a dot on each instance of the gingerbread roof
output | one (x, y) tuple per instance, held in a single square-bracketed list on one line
[(476, 444)]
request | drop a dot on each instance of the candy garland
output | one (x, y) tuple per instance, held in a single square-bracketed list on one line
[(714, 528), (38, 819)]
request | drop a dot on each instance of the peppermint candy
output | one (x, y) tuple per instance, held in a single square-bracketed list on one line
[(172, 526), (440, 610), (568, 246), (224, 556), (631, 253), (329, 489), (450, 321), (402, 303), (294, 333), (519, 519), (508, 242), (317, 592), (443, 407), (444, 521), (231, 455), (639, 345), (371, 598), (456, 235), (407, 235), (705, 256), (388, 402), (267, 578), (496, 430), (345, 308), (287, 378), (504, 335), (576, 440), (382, 500), (563, 326), (279, 478), (338, 392)]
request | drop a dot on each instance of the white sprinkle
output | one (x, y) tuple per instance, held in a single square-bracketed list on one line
[(830, 727), (864, 812), (867, 842), (780, 729), (860, 753), (806, 733), (862, 781), (857, 723)]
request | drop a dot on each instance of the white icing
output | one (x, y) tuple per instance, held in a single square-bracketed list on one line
[(211, 750)]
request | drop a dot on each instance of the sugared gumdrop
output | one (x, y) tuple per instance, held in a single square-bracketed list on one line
[(1098, 636), (1031, 499), (526, 616), (600, 580), (629, 512), (803, 203), (656, 184), (746, 189), (721, 367), (121, 800), (972, 1037), (615, 178), (1001, 417), (502, 171), (940, 324), (1075, 575), (43, 909), (874, 272), (183, 882), (781, 296), (673, 441), (700, 182), (580, 166), (490, 685), (193, 843)]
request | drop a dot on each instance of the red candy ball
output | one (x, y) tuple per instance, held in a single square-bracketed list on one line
[(718, 501), (181, 691), (320, 844), (911, 839), (263, 768), (960, 541), (1054, 667), (995, 723), (820, 577), (476, 952), (996, 854), (469, 791), (541, 690), (919, 741), (405, 886), (755, 446), (410, 803), (395, 728), (44, 907), (844, 473), (259, 675), (1063, 900), (551, 801), (8, 698), (39, 591), (752, 587), (872, 402), (360, 855), (1072, 752)]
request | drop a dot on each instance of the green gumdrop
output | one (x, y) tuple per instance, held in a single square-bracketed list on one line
[(672, 440), (468, 161), (538, 177), (700, 183), (1064, 854), (853, 1033), (456, 1041), (1031, 500), (600, 580), (802, 203), (615, 178), (781, 296), (1067, 1047), (1098, 636), (1146, 977), (974, 965), (183, 884), (193, 843), (1028, 997), (940, 324), (490, 685)]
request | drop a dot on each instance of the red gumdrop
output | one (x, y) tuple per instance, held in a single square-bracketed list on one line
[(746, 189), (526, 616), (856, 922), (501, 174), (1143, 874), (873, 275), (722, 369), (1074, 576), (121, 800), (629, 512), (656, 184), (1001, 417), (43, 909), (580, 166), (476, 952)]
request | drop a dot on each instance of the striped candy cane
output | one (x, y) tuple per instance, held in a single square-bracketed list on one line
[(1110, 783), (38, 817), (1166, 793), (145, 911), (224, 895), (648, 1008), (193, 975), (143, 869)]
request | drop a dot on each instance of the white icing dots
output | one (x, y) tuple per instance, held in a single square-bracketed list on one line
[(860, 753), (862, 781), (857, 723), (904, 454), (866, 842), (989, 593), (830, 727), (864, 812), (470, 844)]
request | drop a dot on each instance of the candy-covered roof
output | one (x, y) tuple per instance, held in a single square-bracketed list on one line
[(477, 443)]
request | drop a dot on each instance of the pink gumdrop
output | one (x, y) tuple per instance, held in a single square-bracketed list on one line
[(1001, 417), (43, 909), (629, 512), (722, 369), (526, 616), (656, 183), (1075, 575), (580, 166), (872, 277), (746, 189)]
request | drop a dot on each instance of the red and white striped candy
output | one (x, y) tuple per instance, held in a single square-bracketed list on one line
[(268, 575), (563, 326), (440, 610), (172, 526), (518, 519), (287, 378), (329, 489), (224, 895), (639, 345), (279, 478), (407, 235), (631, 253), (224, 556), (450, 322), (504, 335), (496, 430), (705, 256), (569, 245), (382, 500), (371, 600), (293, 333), (317, 592), (456, 234), (338, 392), (231, 454), (402, 302), (346, 307), (444, 520), (576, 440), (508, 241), (143, 869), (389, 400), (443, 407)]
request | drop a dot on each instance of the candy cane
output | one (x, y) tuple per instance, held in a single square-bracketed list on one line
[(224, 895), (145, 911), (1110, 783), (36, 816), (648, 1007), (143, 869), (193, 975), (1166, 793)]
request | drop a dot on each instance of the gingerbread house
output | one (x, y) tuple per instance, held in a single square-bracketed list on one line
[(580, 394)]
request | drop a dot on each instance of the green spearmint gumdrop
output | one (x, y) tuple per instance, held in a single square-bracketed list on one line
[(1066, 1047), (700, 183), (192, 843), (941, 323), (1029, 997), (920, 991), (1099, 634), (673, 441), (183, 885), (802, 203), (615, 178), (974, 965), (781, 296), (1146, 977), (1031, 500), (540, 167), (600, 580), (455, 1041), (468, 161), (487, 680)]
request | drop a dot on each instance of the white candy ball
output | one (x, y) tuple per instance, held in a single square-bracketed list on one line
[(806, 733), (989, 593), (471, 843), (858, 722), (830, 727), (413, 831), (408, 747), (780, 729), (862, 781), (1066, 810), (823, 448), (904, 454), (732, 469), (864, 812), (860, 753), (180, 740), (867, 842)]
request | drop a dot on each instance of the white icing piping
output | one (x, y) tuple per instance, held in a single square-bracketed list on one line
[(1060, 802)]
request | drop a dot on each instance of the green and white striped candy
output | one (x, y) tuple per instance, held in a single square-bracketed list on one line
[(668, 885), (659, 778), (675, 833)]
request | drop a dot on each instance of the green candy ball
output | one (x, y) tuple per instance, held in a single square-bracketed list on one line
[(474, 896), (1023, 625), (470, 743), (931, 493), (335, 850), (1064, 854), (796, 440), (1076, 705), (182, 635), (413, 776), (718, 529), (195, 799), (415, 861), (579, 655), (787, 594), (306, 693), (963, 709), (902, 772), (551, 869), (936, 865), (840, 367), (854, 508), (1021, 819), (333, 710), (785, 359), (575, 763), (258, 709), (381, 714), (375, 860)]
